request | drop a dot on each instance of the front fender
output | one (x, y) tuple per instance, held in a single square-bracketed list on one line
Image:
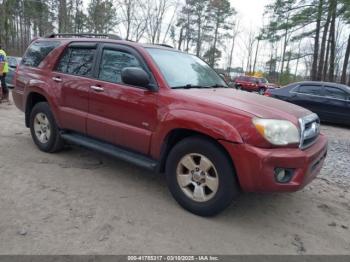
[(211, 126)]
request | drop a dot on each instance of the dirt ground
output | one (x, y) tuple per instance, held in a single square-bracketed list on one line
[(80, 202)]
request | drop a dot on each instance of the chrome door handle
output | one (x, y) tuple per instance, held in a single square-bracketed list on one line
[(97, 88), (57, 79)]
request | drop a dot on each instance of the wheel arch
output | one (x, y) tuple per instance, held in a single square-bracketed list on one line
[(32, 99), (177, 135)]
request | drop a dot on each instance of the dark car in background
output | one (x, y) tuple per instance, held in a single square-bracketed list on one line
[(329, 100), (13, 62)]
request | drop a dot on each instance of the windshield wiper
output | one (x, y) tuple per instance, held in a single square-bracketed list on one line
[(189, 86), (218, 86)]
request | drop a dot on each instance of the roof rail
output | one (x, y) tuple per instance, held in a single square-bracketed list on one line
[(83, 35), (165, 45)]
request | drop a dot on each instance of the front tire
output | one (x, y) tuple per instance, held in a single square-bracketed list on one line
[(44, 130), (200, 176)]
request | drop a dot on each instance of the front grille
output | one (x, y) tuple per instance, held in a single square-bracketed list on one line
[(310, 130)]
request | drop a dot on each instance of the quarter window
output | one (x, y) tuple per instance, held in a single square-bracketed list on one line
[(311, 90), (77, 61), (37, 52), (112, 64), (333, 92)]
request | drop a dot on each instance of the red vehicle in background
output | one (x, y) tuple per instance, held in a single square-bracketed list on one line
[(253, 84)]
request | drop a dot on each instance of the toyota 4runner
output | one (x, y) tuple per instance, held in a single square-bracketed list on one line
[(169, 112)]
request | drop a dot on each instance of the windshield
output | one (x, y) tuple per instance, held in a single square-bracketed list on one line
[(184, 70), (263, 80)]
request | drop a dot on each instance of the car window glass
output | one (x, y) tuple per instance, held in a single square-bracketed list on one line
[(112, 64), (334, 92), (12, 62), (77, 61), (37, 52), (310, 90)]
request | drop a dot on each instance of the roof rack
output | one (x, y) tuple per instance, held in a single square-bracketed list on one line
[(83, 35)]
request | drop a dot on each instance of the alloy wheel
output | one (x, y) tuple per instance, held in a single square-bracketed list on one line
[(42, 128), (197, 177)]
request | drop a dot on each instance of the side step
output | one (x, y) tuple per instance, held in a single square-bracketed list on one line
[(111, 150)]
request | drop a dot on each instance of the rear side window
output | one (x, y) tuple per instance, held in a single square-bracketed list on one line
[(37, 52), (333, 92), (77, 61), (310, 90)]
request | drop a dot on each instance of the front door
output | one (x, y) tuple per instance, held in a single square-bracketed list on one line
[(311, 97), (118, 113)]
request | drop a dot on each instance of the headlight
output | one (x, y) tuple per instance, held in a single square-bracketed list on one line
[(277, 132)]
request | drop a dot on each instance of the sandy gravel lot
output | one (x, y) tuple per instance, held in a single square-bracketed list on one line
[(80, 202)]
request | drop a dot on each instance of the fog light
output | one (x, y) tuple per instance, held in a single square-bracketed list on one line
[(283, 175)]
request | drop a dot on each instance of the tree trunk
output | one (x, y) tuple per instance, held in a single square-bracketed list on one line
[(212, 60), (198, 47), (325, 68), (231, 52), (317, 41), (346, 62), (320, 73), (62, 16), (297, 64), (128, 15), (180, 38), (284, 51), (256, 55), (332, 42)]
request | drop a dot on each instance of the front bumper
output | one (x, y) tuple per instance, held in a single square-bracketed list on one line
[(255, 166)]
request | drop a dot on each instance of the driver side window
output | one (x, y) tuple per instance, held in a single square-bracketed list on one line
[(112, 64), (315, 90)]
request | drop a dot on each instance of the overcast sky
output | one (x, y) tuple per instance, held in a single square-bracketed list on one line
[(250, 12)]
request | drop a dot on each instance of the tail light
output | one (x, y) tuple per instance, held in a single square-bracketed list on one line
[(267, 93)]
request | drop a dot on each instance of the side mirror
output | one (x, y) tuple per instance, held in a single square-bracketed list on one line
[(136, 76)]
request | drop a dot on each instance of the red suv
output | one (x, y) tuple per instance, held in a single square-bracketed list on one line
[(169, 112), (251, 84)]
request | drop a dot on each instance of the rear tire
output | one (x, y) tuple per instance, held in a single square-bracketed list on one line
[(210, 176), (261, 91), (44, 130)]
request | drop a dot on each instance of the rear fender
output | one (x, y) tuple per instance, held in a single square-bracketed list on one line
[(41, 88)]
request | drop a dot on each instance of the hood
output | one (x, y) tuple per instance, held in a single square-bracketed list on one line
[(254, 104)]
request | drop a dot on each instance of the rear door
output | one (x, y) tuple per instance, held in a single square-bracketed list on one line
[(72, 78), (338, 104), (118, 113)]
